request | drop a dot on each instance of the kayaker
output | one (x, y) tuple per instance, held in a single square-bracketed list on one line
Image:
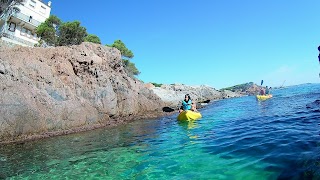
[(262, 92), (186, 103), (267, 90)]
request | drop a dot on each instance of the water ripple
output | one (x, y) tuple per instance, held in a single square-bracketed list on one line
[(238, 138)]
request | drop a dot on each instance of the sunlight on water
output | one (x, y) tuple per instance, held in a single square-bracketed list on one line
[(236, 139)]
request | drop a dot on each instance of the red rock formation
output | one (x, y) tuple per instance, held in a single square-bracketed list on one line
[(51, 91)]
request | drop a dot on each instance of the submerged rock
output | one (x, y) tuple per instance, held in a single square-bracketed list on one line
[(315, 104)]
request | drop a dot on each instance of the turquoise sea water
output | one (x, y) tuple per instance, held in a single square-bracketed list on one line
[(239, 138)]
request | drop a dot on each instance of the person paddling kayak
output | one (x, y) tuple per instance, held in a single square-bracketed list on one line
[(267, 90), (186, 103)]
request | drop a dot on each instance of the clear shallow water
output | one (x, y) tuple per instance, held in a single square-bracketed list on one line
[(236, 139)]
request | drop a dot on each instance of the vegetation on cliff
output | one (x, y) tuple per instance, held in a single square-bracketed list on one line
[(126, 55), (71, 33), (156, 84), (57, 33), (92, 38), (245, 88), (125, 52), (240, 87), (54, 32), (47, 30)]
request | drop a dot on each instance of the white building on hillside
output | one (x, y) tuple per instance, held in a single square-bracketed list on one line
[(18, 22)]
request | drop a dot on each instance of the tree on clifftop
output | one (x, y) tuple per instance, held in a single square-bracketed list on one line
[(71, 33), (125, 52), (48, 29), (131, 67), (126, 55), (92, 38)]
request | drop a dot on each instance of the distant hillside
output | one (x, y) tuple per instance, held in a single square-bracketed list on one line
[(246, 88), (239, 87)]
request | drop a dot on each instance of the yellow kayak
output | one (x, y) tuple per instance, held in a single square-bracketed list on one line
[(189, 115), (264, 97)]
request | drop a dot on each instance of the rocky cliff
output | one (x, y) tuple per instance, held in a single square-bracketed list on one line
[(50, 91)]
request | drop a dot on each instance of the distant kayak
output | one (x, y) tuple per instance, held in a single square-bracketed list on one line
[(189, 115), (264, 97)]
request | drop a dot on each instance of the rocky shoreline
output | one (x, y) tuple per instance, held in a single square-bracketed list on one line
[(173, 94), (63, 89), (54, 91)]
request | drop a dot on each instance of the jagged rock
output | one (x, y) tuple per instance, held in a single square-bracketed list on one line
[(149, 85), (49, 91), (230, 94), (173, 94)]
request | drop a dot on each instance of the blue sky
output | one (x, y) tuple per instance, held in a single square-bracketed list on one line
[(219, 43)]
